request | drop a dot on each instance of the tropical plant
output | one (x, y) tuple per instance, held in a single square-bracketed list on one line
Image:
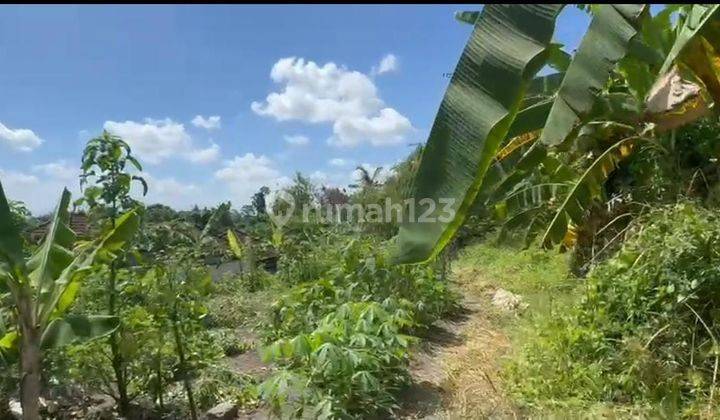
[(176, 304), (104, 163), (501, 132), (44, 286), (645, 329)]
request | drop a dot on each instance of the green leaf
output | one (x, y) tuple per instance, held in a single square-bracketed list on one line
[(588, 187), (700, 15), (11, 248), (103, 250), (506, 49), (10, 340), (558, 58), (125, 228), (135, 163), (467, 17), (78, 329), (606, 42), (142, 182), (234, 245), (55, 254)]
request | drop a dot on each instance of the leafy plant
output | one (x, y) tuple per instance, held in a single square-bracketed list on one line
[(616, 86), (645, 329), (351, 364), (104, 163), (44, 286)]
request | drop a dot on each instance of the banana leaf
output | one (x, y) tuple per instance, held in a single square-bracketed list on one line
[(606, 42), (506, 49)]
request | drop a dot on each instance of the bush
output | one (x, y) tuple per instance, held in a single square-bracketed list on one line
[(341, 338), (352, 364), (645, 330)]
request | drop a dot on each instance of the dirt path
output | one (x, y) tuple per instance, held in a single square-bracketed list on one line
[(456, 369)]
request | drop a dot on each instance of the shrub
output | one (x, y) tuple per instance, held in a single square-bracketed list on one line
[(340, 339), (646, 328), (350, 365)]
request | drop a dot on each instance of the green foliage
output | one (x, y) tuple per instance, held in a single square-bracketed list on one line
[(44, 286), (104, 164), (20, 215), (221, 385), (645, 330), (342, 334), (350, 365), (467, 131)]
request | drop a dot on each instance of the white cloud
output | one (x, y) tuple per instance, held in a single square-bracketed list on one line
[(21, 139), (319, 177), (58, 170), (331, 94), (39, 193), (157, 140), (388, 64), (207, 155), (176, 194), (386, 129), (209, 123), (338, 162), (297, 140), (244, 175)]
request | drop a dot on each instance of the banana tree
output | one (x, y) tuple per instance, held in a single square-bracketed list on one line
[(43, 287), (502, 133)]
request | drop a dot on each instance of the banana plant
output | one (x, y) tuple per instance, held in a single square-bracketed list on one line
[(43, 287), (633, 74)]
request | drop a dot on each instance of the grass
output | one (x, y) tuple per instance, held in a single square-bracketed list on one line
[(475, 369)]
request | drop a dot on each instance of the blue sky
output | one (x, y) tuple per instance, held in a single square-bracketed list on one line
[(318, 89)]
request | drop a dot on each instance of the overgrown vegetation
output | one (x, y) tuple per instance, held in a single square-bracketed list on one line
[(613, 157), (645, 331)]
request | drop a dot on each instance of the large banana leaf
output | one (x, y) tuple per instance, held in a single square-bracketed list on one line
[(698, 47), (11, 248), (702, 17), (586, 189), (103, 250), (78, 329), (606, 42), (55, 254), (506, 49)]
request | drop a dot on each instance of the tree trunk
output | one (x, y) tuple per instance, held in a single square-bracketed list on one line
[(29, 358), (183, 366), (117, 360)]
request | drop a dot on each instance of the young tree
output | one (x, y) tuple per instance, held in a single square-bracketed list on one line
[(104, 164), (44, 286)]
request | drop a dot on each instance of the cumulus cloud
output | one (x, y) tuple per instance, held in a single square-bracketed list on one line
[(39, 190), (338, 162), (345, 98), (209, 123), (297, 140), (386, 129), (22, 139), (157, 140), (176, 194), (244, 175), (388, 64), (207, 155), (58, 170)]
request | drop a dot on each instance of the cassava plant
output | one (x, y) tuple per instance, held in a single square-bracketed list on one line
[(105, 164), (177, 291), (44, 285)]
